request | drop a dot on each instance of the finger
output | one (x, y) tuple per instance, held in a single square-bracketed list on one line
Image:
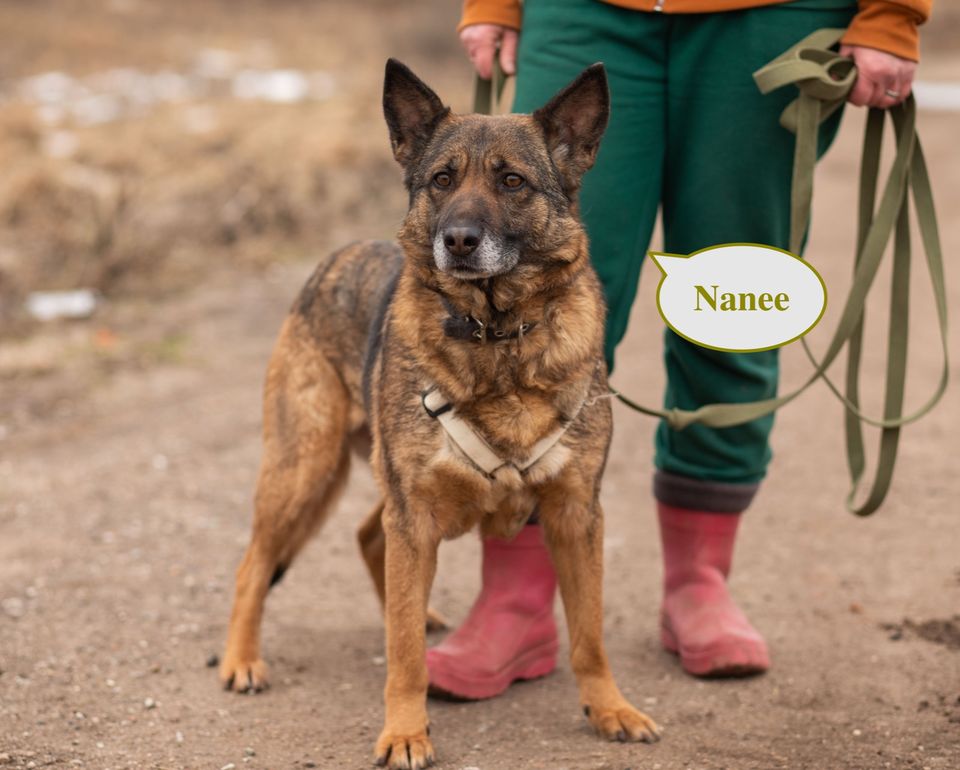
[(482, 58), (480, 46), (508, 51), (887, 94), (881, 97), (905, 85), (907, 74), (861, 92), (886, 86)]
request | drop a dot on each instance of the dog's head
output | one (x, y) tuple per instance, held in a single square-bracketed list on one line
[(490, 193)]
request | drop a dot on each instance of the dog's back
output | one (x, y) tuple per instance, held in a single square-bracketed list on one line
[(343, 304)]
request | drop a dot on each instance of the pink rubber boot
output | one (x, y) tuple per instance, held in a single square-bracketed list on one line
[(698, 620), (510, 633)]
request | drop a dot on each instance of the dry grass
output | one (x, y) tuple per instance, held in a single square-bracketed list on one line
[(147, 203)]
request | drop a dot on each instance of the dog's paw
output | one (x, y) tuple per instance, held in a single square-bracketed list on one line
[(622, 723), (436, 621), (243, 675), (404, 752)]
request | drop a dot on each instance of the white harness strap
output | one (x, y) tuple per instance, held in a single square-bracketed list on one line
[(473, 445), (461, 434)]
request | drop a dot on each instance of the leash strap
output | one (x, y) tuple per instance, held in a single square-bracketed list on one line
[(488, 94), (824, 79)]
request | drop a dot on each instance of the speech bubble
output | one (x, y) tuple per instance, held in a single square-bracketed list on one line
[(739, 297)]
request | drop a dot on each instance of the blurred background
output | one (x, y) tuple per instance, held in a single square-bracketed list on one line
[(145, 146), (169, 173)]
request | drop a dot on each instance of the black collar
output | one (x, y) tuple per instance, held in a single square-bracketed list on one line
[(474, 330), (465, 327)]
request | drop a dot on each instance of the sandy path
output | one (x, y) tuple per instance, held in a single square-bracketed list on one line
[(124, 511)]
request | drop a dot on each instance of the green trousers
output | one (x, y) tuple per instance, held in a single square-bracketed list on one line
[(689, 132)]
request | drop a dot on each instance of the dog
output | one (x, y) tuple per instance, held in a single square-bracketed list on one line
[(467, 360)]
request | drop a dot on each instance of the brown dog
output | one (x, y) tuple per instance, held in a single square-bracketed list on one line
[(472, 356)]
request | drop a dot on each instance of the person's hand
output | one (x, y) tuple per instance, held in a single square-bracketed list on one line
[(883, 79), (480, 42)]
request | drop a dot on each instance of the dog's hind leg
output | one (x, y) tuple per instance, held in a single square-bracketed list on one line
[(373, 547), (305, 462)]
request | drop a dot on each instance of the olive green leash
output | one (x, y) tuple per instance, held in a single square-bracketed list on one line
[(487, 94), (824, 79)]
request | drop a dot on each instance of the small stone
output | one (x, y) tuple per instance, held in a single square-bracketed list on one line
[(249, 752), (857, 733), (179, 737), (14, 607), (213, 660), (149, 703), (309, 763), (379, 660), (229, 766)]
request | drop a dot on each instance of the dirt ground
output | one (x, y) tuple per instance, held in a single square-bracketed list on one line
[(129, 445)]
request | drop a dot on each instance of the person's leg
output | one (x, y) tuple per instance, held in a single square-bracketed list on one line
[(727, 179), (509, 634)]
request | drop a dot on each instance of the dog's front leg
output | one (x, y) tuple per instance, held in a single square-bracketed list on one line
[(575, 537), (411, 562)]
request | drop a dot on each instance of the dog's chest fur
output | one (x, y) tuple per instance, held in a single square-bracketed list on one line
[(500, 502)]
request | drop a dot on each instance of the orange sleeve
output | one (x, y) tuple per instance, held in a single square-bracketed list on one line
[(889, 25), (506, 13)]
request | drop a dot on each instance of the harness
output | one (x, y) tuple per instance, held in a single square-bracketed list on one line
[(475, 447)]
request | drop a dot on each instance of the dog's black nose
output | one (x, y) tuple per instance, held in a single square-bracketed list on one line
[(461, 241)]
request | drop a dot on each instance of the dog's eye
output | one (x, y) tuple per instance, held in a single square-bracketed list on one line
[(513, 181), (442, 179)]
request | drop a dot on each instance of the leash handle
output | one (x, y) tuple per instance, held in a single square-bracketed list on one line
[(488, 94), (824, 79)]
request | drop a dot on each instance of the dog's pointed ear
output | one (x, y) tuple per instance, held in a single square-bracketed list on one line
[(412, 111), (573, 122)]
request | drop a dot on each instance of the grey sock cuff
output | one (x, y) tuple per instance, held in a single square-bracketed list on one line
[(700, 495)]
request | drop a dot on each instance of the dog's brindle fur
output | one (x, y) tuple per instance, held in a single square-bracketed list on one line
[(370, 333)]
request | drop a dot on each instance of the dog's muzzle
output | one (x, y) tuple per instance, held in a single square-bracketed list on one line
[(469, 253)]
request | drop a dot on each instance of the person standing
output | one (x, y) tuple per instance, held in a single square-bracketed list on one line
[(689, 133)]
